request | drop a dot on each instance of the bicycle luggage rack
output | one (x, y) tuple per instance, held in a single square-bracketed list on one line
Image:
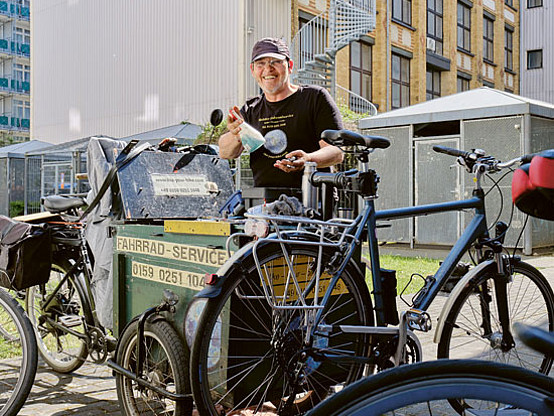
[(318, 237)]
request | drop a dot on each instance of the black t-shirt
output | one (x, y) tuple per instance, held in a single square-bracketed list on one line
[(295, 123)]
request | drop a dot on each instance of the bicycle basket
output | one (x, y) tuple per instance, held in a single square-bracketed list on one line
[(25, 254), (533, 186)]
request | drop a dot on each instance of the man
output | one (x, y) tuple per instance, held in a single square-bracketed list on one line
[(290, 117)]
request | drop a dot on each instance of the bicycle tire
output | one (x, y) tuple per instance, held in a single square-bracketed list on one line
[(165, 361), (531, 302), (17, 373), (426, 388), (62, 351), (263, 344)]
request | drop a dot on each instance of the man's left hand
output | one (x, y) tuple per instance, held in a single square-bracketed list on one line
[(293, 161)]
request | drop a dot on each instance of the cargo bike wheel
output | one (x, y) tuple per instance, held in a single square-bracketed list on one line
[(163, 366), (60, 327), (18, 365), (247, 355)]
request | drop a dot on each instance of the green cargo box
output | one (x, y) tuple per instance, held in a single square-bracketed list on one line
[(172, 255)]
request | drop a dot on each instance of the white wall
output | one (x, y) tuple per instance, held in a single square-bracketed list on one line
[(120, 67), (537, 32)]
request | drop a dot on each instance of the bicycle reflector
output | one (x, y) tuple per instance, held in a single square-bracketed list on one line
[(533, 186)]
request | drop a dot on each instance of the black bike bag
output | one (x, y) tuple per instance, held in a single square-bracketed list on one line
[(25, 254)]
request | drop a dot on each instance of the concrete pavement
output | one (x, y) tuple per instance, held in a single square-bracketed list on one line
[(91, 389)]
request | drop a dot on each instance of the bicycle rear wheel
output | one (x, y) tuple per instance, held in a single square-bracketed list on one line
[(466, 332), (18, 355), (427, 389), (62, 351), (248, 356)]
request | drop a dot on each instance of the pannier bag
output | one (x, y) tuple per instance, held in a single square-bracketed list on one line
[(533, 186), (25, 254)]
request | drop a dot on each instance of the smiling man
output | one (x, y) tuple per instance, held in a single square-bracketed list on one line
[(290, 117)]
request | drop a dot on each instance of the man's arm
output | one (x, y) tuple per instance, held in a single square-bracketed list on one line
[(230, 146), (326, 156)]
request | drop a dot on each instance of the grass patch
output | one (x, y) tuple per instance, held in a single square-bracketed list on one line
[(405, 267)]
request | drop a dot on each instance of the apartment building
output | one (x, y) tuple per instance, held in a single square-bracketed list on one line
[(15, 71), (420, 49), (537, 50)]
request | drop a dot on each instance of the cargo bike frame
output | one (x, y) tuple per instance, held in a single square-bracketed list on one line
[(289, 318)]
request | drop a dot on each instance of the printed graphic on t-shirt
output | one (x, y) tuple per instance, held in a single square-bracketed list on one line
[(276, 141)]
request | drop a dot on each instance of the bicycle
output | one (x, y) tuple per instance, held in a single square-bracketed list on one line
[(147, 357), (18, 350), (472, 386), (289, 318)]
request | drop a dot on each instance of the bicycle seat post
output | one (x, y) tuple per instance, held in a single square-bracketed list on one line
[(309, 192)]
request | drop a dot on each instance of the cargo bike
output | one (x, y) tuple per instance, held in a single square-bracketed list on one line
[(158, 261)]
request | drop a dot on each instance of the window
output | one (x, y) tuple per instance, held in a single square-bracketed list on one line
[(464, 27), (462, 84), (534, 59), (433, 84), (360, 69), (534, 3), (509, 49), (22, 109), (22, 72), (22, 36), (402, 11), (488, 39), (400, 81), (509, 2), (434, 23)]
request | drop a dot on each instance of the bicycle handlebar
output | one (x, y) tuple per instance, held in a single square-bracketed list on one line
[(452, 152)]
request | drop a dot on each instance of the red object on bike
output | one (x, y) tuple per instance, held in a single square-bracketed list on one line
[(533, 186)]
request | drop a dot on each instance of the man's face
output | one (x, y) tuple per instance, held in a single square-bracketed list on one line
[(272, 75)]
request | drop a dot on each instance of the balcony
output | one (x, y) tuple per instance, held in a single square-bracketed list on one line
[(12, 86), (14, 123), (17, 11), (10, 47)]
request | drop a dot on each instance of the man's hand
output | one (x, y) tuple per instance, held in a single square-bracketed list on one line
[(293, 161), (230, 146)]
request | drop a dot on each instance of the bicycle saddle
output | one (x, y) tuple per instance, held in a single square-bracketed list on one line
[(350, 138), (61, 203)]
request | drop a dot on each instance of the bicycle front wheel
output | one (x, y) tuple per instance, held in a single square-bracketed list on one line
[(163, 366), (473, 330), (63, 351), (428, 388), (247, 355), (18, 355)]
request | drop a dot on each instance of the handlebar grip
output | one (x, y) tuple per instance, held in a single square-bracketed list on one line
[(333, 179), (527, 158), (450, 151)]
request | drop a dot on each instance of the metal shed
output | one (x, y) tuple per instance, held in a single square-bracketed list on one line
[(503, 124), (12, 175)]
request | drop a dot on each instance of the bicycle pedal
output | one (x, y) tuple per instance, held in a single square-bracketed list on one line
[(71, 320), (419, 320)]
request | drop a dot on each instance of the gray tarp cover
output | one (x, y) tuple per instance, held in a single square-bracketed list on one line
[(101, 155)]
